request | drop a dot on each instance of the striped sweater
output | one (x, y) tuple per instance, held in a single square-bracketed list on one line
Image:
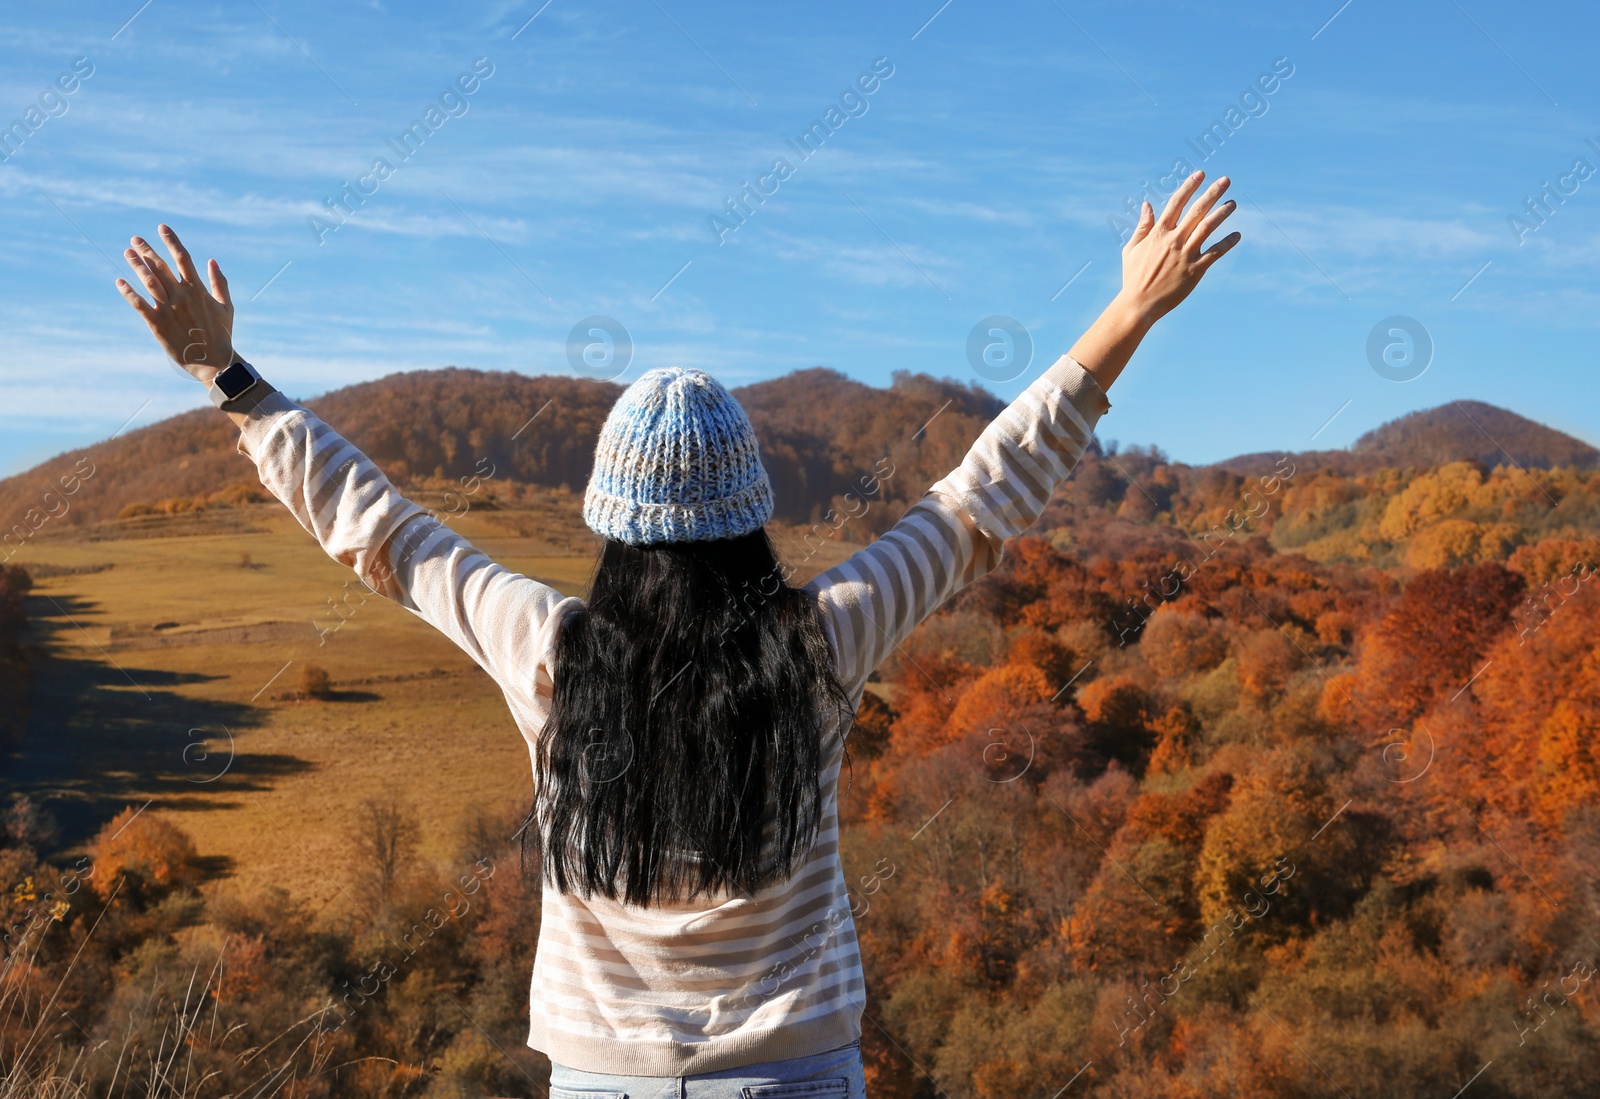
[(724, 982)]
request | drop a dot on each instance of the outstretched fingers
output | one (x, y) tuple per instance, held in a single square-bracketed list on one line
[(1210, 225), (1180, 198), (180, 254), (155, 264), (1147, 220), (140, 306), (219, 284), (1218, 250), (152, 282), (1202, 206)]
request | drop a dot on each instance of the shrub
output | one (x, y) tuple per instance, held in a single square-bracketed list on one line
[(1043, 651), (1266, 661), (1177, 643), (158, 855), (314, 682), (239, 494)]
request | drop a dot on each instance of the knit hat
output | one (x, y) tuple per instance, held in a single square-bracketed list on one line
[(677, 461)]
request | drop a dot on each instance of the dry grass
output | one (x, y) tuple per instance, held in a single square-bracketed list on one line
[(170, 1046)]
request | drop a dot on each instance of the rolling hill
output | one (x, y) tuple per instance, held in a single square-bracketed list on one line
[(1458, 431), (821, 435)]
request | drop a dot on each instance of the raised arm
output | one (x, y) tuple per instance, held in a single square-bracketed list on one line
[(954, 534), (397, 547)]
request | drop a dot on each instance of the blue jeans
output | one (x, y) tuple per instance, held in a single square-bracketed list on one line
[(836, 1074)]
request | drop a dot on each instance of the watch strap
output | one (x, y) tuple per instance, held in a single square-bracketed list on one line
[(251, 397)]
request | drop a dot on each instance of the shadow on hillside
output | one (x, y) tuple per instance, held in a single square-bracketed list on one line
[(300, 698), (104, 733), (353, 696)]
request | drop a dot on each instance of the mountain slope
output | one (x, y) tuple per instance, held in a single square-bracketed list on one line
[(821, 435), (1453, 432), (1473, 430)]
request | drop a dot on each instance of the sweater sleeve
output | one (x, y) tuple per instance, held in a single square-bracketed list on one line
[(397, 548), (955, 533)]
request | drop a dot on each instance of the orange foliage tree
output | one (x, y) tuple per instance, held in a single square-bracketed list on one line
[(155, 855), (1430, 643)]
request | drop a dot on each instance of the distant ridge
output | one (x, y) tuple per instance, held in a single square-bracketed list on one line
[(821, 433), (1458, 431), (823, 436)]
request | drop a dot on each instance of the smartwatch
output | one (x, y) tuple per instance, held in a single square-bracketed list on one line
[(238, 387)]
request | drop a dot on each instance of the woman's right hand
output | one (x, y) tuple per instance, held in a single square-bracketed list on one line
[(1161, 263), (1166, 256)]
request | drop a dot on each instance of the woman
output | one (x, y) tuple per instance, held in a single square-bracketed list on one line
[(686, 725)]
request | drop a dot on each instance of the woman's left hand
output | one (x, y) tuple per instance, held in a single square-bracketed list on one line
[(193, 326)]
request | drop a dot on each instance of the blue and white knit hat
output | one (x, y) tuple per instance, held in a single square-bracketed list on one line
[(677, 461)]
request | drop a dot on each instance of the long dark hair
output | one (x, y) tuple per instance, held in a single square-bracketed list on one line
[(683, 750)]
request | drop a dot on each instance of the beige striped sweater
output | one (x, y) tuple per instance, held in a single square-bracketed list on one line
[(726, 982)]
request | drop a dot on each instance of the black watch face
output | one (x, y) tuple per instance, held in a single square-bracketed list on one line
[(234, 380)]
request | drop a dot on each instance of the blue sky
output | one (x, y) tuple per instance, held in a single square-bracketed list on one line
[(979, 178)]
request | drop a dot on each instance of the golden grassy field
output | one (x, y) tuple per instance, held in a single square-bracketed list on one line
[(164, 678)]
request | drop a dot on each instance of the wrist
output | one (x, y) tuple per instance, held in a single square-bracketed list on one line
[(1131, 313), (204, 372), (1105, 348)]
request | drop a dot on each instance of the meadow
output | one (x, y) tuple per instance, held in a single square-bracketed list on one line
[(176, 645)]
